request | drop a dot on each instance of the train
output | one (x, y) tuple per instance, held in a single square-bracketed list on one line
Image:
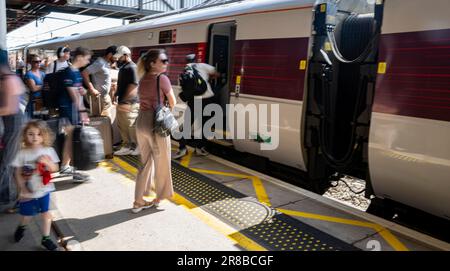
[(362, 86)]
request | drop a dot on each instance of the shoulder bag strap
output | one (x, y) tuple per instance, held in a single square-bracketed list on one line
[(54, 66), (157, 89)]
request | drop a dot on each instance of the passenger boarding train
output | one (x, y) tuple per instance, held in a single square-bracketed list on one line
[(363, 85)]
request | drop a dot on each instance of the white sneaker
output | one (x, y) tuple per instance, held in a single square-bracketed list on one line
[(201, 151), (136, 152), (180, 153), (123, 151), (67, 170)]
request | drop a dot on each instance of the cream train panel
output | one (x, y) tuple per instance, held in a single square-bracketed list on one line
[(277, 23), (289, 151), (283, 24), (409, 161), (428, 15)]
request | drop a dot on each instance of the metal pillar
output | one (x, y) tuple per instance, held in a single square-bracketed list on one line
[(3, 32)]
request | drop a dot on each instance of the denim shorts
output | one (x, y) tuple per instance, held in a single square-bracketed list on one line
[(35, 206), (69, 112)]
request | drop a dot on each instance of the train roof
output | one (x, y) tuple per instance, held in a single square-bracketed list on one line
[(231, 9)]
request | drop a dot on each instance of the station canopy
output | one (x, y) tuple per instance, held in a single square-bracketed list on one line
[(20, 13)]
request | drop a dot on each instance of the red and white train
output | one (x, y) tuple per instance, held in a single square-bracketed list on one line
[(363, 86)]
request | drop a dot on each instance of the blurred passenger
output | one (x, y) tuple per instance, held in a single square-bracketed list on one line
[(11, 118), (155, 149), (128, 102), (114, 72), (35, 81), (45, 63), (33, 167), (20, 69), (100, 86), (71, 107), (205, 71), (63, 54)]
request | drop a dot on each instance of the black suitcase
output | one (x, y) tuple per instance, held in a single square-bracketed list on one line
[(88, 148)]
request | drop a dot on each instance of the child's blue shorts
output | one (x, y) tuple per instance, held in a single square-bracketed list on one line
[(35, 206)]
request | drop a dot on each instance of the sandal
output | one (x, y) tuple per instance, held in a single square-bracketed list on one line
[(137, 207)]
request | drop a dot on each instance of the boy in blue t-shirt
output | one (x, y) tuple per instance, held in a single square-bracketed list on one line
[(71, 107)]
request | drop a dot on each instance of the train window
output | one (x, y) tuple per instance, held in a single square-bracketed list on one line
[(165, 37)]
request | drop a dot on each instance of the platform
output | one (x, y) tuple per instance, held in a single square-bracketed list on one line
[(218, 206)]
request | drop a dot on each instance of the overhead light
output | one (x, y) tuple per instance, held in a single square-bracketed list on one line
[(27, 6)]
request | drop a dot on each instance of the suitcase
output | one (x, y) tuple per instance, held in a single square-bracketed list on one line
[(103, 125), (87, 147)]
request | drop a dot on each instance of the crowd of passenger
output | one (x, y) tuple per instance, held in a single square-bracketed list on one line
[(73, 90)]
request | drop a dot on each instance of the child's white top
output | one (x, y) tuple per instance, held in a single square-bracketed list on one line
[(29, 157)]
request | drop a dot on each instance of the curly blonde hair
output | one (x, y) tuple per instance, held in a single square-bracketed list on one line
[(46, 133)]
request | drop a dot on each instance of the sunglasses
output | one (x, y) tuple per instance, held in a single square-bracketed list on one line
[(164, 61), (36, 61)]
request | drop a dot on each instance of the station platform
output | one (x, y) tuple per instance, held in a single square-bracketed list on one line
[(218, 206)]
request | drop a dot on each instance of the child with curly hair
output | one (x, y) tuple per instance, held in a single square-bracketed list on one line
[(33, 167)]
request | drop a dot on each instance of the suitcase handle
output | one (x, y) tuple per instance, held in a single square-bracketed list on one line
[(99, 105)]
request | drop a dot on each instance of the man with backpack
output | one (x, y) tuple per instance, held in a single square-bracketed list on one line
[(52, 81), (195, 85)]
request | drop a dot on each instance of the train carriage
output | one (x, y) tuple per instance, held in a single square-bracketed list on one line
[(362, 85)]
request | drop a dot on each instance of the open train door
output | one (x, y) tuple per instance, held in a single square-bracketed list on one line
[(340, 89), (222, 37)]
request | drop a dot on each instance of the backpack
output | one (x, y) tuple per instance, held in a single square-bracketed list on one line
[(53, 85), (192, 84)]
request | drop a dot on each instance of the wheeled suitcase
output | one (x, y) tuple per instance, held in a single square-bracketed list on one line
[(103, 125), (87, 147)]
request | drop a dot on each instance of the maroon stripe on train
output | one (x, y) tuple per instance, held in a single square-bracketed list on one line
[(417, 80), (271, 67)]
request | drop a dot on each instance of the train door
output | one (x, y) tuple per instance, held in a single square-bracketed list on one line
[(222, 37), (341, 82)]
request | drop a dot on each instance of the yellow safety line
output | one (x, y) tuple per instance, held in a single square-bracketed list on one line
[(186, 160), (235, 236), (390, 238), (125, 166), (385, 233), (219, 226), (261, 193)]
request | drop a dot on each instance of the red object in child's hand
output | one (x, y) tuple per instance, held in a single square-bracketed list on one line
[(46, 175)]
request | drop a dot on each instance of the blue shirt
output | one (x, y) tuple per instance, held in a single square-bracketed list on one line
[(38, 80), (72, 78)]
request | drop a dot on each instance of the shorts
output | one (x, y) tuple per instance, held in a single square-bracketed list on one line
[(35, 206), (69, 112)]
